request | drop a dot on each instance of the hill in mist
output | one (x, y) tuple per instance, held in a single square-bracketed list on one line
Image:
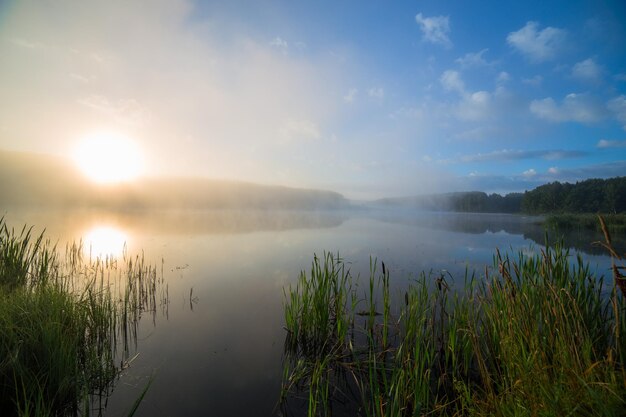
[(35, 180)]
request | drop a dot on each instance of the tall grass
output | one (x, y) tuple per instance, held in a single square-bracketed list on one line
[(67, 325), (536, 335)]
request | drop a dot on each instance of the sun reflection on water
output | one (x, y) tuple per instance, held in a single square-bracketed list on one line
[(104, 240)]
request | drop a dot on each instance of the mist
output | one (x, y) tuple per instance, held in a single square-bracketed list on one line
[(32, 180)]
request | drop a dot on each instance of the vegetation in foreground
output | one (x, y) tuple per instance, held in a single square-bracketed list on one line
[(67, 326), (535, 336)]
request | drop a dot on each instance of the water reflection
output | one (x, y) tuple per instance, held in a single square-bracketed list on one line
[(103, 241), (529, 227)]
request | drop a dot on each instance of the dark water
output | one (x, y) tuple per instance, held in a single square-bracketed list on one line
[(218, 352)]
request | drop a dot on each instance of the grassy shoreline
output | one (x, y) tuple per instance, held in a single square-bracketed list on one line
[(67, 325), (537, 336)]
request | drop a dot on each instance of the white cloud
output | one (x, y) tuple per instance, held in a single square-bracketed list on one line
[(529, 173), (473, 59), (503, 77), (574, 107), (376, 92), (605, 144), (475, 106), (435, 29), (587, 70), (618, 107), (350, 95), (553, 170), (472, 106), (451, 81), (603, 170), (538, 45), (280, 44)]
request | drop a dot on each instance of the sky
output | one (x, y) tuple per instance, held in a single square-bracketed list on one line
[(367, 98)]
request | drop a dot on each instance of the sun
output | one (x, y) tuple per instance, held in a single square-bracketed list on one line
[(108, 158)]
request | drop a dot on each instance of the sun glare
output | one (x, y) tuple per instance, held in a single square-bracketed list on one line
[(102, 241), (108, 158)]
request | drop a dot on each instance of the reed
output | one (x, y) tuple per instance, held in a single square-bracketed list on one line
[(67, 325), (536, 335)]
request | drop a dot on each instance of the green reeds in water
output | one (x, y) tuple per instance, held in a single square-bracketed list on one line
[(537, 335), (67, 326)]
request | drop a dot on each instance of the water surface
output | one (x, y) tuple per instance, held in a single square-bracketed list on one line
[(218, 348)]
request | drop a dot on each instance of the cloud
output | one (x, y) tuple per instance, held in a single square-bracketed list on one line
[(451, 81), (606, 144), (604, 170), (350, 95), (498, 183), (587, 70), (435, 29), (475, 106), (618, 107), (532, 178), (580, 108), (376, 92), (529, 173), (503, 77), (280, 44), (473, 59), (538, 45), (511, 155)]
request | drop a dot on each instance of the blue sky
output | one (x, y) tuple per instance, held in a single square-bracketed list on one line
[(368, 98)]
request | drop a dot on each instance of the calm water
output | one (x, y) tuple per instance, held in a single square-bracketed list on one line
[(221, 354)]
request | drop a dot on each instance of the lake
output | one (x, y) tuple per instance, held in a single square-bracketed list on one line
[(217, 348)]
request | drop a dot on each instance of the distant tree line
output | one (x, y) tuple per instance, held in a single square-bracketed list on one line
[(589, 196), (480, 202)]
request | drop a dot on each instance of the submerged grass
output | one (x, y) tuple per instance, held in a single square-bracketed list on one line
[(67, 325), (539, 335)]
